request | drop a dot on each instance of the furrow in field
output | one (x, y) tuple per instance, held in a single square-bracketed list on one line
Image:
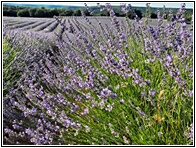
[(33, 25), (22, 25), (64, 33), (13, 23), (59, 29), (67, 34), (43, 26), (10, 21), (51, 27)]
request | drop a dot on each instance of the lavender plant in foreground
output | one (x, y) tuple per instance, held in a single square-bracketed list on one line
[(127, 85)]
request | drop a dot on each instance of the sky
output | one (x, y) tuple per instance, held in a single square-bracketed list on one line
[(141, 4)]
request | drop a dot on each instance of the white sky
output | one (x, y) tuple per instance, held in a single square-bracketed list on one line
[(143, 4)]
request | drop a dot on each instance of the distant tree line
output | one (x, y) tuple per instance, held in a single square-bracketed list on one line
[(48, 12), (17, 11), (43, 12), (188, 16)]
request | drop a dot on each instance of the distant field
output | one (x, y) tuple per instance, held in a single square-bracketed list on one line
[(48, 26)]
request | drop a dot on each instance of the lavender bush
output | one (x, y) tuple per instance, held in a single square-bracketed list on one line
[(124, 84), (43, 26), (22, 25), (51, 27)]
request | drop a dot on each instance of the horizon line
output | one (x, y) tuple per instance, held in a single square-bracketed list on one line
[(81, 4)]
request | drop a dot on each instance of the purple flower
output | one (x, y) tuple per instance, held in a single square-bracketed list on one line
[(86, 111), (169, 58), (105, 92), (136, 81), (152, 92), (41, 93), (121, 101), (113, 96), (112, 14), (110, 107)]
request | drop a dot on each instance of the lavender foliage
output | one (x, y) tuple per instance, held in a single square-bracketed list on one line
[(98, 84)]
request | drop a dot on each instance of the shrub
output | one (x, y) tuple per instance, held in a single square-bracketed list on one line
[(153, 15)]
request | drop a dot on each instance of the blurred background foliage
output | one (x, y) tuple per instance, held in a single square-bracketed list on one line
[(51, 10)]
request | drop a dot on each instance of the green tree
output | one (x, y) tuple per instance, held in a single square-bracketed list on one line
[(106, 13), (188, 16), (153, 15), (32, 12), (54, 12), (9, 13), (61, 11), (131, 14), (42, 7), (77, 13), (40, 13), (139, 13), (87, 13), (67, 13), (23, 13)]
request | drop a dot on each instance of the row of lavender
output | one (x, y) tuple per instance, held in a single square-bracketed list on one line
[(49, 26), (126, 84)]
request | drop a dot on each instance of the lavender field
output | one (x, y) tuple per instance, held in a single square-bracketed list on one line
[(98, 80)]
